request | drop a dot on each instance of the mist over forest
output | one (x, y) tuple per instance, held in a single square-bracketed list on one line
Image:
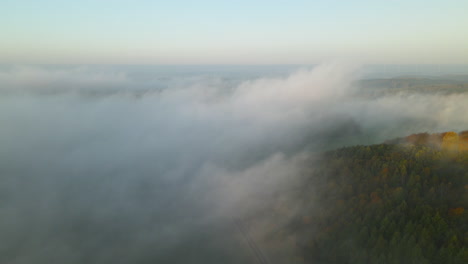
[(107, 164)]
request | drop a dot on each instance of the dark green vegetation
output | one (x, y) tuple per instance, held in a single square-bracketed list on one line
[(386, 204), (450, 84)]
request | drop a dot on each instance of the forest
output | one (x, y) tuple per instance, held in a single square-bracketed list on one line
[(399, 202), (448, 84)]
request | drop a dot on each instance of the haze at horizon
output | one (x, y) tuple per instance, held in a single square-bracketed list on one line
[(241, 32)]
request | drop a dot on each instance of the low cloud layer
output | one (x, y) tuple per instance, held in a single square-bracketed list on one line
[(103, 166)]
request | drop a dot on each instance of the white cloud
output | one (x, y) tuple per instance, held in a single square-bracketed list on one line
[(139, 171)]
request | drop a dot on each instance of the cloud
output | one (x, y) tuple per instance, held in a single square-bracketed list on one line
[(104, 165)]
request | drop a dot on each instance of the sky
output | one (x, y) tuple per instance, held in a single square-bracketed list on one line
[(233, 32)]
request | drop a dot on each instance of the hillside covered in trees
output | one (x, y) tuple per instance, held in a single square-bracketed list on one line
[(450, 141), (387, 203), (448, 84)]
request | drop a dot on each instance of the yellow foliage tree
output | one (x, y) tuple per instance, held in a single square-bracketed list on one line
[(450, 141), (463, 138)]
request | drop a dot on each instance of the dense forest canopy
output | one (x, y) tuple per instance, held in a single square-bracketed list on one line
[(387, 203)]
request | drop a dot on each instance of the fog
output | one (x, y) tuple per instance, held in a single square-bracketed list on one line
[(105, 165)]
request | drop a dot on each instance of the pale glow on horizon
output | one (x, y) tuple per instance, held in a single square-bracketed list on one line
[(237, 32)]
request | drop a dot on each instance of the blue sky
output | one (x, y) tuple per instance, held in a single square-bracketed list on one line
[(233, 32)]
